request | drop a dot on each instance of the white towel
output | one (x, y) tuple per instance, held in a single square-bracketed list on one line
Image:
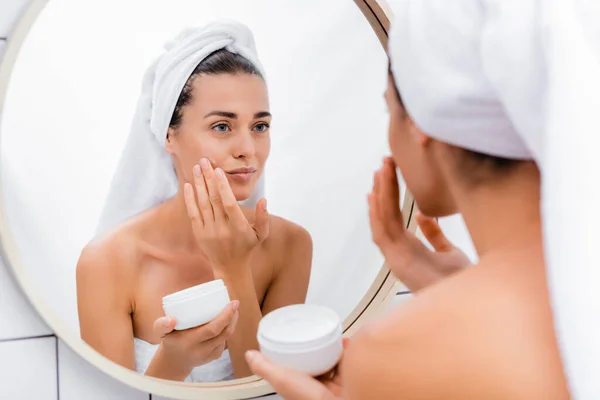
[(145, 175), (521, 79)]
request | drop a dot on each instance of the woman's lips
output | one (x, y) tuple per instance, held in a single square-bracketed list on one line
[(242, 177)]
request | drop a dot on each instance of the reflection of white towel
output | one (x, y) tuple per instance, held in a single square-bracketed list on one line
[(521, 79), (145, 175)]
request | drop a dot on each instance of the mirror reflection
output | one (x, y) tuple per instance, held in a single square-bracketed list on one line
[(204, 135), (137, 162)]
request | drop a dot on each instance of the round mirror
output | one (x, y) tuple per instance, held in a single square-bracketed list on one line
[(290, 108)]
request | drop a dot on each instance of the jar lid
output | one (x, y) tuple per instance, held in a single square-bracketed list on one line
[(299, 325), (195, 290)]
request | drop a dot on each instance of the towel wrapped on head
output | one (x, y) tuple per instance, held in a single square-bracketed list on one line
[(520, 79), (145, 175)]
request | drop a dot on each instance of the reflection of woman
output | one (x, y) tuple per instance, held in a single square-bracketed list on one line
[(203, 118), (484, 332)]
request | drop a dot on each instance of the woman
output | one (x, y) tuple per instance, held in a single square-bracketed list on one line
[(485, 332), (203, 118)]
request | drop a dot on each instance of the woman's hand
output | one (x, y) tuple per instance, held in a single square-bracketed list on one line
[(181, 351), (294, 385), (219, 224), (409, 259)]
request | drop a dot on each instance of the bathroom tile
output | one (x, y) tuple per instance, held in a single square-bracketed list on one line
[(10, 11), (80, 380), (28, 369), (18, 319)]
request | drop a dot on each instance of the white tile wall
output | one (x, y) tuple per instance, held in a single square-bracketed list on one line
[(34, 364), (78, 380), (17, 318), (28, 369)]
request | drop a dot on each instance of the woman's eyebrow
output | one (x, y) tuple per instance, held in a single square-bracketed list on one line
[(262, 114), (227, 114)]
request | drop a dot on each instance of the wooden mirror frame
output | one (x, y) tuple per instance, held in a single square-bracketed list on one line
[(377, 298)]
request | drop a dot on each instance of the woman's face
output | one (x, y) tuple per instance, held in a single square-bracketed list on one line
[(419, 162), (228, 122)]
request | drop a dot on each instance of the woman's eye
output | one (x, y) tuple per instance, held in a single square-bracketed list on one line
[(261, 127), (221, 128)]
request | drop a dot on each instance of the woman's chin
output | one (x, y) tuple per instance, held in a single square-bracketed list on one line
[(243, 190), (242, 194)]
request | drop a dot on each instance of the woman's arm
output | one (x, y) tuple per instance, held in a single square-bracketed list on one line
[(240, 286), (105, 281), (225, 235), (104, 305), (288, 286), (290, 282)]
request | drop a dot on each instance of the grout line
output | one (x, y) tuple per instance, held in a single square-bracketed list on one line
[(403, 292), (57, 371), (27, 338)]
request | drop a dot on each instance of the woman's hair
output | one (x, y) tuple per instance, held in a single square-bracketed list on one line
[(475, 167), (220, 62)]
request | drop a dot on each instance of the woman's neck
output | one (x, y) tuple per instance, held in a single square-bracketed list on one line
[(175, 224), (503, 214)]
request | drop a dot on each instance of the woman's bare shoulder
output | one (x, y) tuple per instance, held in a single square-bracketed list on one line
[(286, 232), (110, 256), (287, 239), (459, 339), (106, 283)]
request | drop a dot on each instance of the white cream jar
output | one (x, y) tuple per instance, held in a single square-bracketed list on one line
[(196, 305), (304, 337)]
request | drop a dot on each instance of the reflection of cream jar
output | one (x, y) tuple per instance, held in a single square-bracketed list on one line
[(304, 337), (197, 305)]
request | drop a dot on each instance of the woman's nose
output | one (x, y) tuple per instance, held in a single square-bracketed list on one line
[(244, 146)]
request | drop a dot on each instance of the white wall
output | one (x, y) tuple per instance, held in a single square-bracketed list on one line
[(34, 364)]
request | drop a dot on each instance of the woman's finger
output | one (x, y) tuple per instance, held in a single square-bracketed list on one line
[(214, 196), (226, 333), (390, 199), (433, 233), (378, 190), (377, 231), (216, 352), (204, 205), (230, 205), (191, 206), (290, 384), (261, 224), (214, 328), (378, 194), (163, 326)]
